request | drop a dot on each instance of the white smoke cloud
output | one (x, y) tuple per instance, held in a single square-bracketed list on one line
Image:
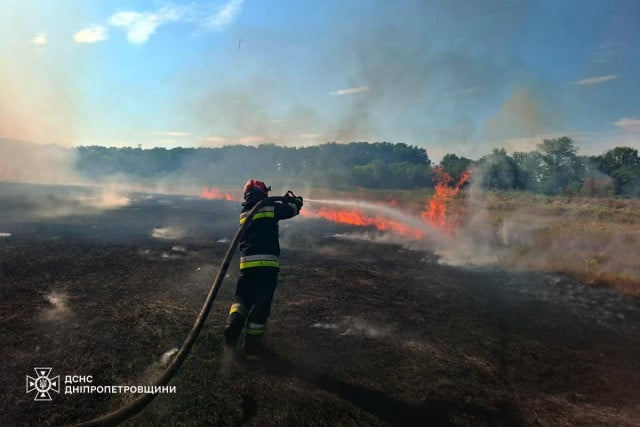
[(525, 114), (46, 164)]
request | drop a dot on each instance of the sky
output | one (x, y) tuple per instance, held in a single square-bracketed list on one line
[(454, 76)]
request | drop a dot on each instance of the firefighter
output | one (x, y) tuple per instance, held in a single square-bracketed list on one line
[(259, 265)]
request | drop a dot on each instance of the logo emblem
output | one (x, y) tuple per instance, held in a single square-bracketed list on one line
[(42, 384)]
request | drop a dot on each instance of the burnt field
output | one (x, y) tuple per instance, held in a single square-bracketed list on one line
[(362, 332)]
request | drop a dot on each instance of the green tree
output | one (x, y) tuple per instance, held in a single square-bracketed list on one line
[(454, 165), (623, 165), (560, 167), (529, 170), (498, 171)]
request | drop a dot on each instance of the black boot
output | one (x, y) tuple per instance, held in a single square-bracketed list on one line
[(235, 324), (231, 335)]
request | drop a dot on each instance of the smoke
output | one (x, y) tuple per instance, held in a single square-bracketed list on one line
[(587, 238), (166, 357), (26, 201), (379, 237), (32, 163), (169, 233), (525, 116), (57, 308), (37, 99), (383, 77), (473, 242), (356, 326), (41, 108), (155, 369), (51, 167)]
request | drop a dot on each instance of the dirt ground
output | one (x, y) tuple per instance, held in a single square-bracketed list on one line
[(361, 333)]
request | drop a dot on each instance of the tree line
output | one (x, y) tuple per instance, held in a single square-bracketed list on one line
[(331, 165), (553, 168)]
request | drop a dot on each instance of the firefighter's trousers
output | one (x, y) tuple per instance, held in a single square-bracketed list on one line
[(254, 293)]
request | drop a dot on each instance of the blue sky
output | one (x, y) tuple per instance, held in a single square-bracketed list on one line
[(456, 76)]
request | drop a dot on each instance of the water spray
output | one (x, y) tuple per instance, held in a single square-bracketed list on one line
[(386, 218)]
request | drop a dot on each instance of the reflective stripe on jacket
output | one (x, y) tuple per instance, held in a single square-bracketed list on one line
[(263, 212)]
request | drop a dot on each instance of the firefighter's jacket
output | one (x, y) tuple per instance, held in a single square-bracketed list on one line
[(259, 243)]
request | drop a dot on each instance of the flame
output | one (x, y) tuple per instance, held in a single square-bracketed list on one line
[(356, 217), (217, 194), (435, 213)]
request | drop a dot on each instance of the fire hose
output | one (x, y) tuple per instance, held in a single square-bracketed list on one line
[(121, 414)]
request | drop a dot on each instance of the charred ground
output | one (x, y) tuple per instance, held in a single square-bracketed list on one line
[(363, 333)]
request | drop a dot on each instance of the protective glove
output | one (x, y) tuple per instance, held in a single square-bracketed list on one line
[(298, 202)]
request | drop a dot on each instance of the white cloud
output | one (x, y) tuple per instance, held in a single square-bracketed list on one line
[(40, 39), (94, 34), (350, 91), (596, 80), (310, 135), (224, 15), (632, 125), (140, 26), (171, 133)]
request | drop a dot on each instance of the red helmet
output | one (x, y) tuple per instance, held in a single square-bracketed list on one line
[(255, 185)]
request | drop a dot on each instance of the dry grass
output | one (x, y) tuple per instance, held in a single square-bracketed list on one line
[(594, 240)]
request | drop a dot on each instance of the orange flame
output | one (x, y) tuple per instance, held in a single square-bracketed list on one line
[(215, 194), (356, 217), (445, 189)]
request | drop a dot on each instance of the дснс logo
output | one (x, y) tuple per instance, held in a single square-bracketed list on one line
[(43, 384)]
